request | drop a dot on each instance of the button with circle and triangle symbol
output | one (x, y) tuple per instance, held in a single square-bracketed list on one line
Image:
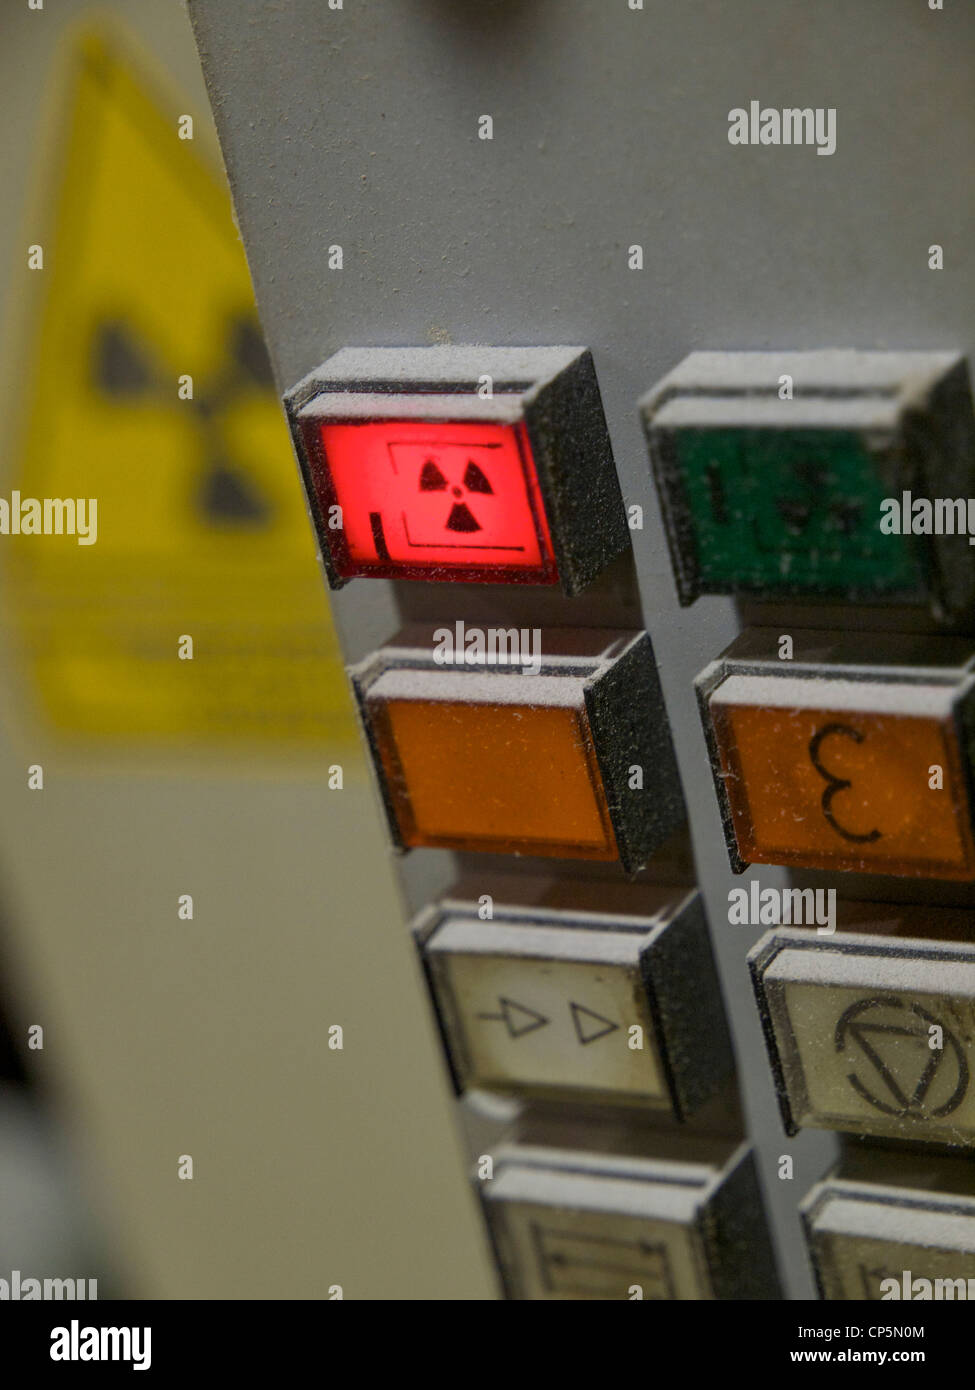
[(893, 1067), (885, 1035)]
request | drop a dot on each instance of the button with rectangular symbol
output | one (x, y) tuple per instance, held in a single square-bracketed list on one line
[(870, 1034), (580, 1006), (893, 1239), (580, 1226), (481, 464), (535, 741), (777, 472), (826, 760)]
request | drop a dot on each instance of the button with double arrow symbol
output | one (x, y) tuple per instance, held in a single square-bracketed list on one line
[(544, 1006), (520, 1019)]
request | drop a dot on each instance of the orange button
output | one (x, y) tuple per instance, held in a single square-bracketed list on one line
[(568, 756), (494, 777), (837, 773)]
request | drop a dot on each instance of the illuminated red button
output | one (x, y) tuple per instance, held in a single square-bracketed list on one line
[(485, 465), (427, 496)]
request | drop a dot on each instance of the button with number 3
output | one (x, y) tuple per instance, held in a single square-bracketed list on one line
[(824, 761)]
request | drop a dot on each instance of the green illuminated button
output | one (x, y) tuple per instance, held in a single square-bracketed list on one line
[(773, 469)]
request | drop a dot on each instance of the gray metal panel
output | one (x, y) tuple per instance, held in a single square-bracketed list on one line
[(359, 127)]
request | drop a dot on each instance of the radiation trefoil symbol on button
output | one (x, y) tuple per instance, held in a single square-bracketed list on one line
[(461, 517)]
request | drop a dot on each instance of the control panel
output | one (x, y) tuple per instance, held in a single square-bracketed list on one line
[(662, 642)]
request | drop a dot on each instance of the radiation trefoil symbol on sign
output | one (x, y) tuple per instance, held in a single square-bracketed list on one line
[(127, 369), (461, 518)]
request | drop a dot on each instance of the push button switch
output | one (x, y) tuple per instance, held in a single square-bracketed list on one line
[(477, 464), (773, 468), (578, 1226), (883, 1241), (870, 1036), (827, 762), (564, 753), (580, 1007)]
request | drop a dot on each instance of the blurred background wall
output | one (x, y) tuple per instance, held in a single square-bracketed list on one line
[(163, 1034)]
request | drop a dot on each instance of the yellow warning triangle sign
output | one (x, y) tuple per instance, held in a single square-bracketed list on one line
[(150, 392)]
